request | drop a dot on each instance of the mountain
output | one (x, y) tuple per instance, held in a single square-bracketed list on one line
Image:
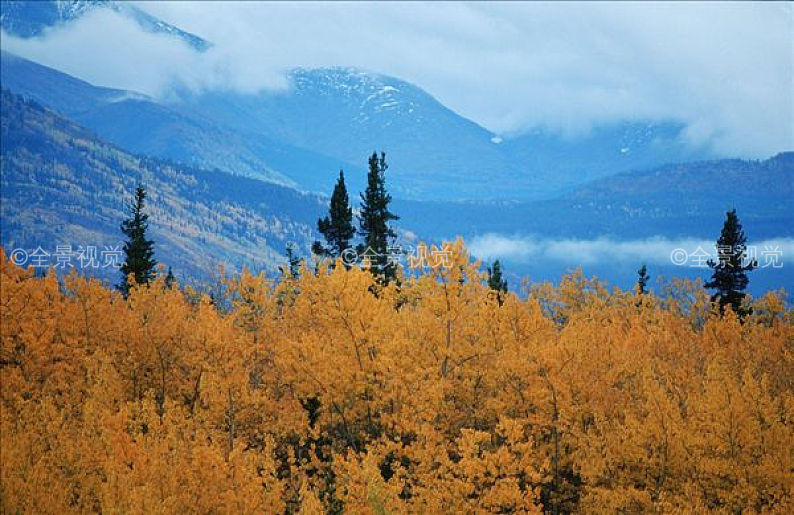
[(346, 113), (225, 169), (63, 186), (139, 123), (30, 18), (604, 150), (334, 118), (679, 200), (673, 201)]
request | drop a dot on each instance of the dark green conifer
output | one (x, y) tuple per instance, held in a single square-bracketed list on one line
[(169, 278), (376, 233), (496, 282), (729, 278), (138, 249), (292, 267), (337, 228), (642, 280)]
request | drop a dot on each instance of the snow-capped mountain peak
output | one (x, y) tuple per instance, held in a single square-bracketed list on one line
[(25, 18), (371, 95)]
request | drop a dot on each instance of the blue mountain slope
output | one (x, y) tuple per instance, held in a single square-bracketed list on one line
[(30, 18), (346, 114), (140, 124), (57, 90), (334, 118), (604, 150)]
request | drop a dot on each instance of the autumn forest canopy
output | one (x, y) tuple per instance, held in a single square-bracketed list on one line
[(331, 392)]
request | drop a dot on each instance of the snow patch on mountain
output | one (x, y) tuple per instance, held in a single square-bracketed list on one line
[(369, 93)]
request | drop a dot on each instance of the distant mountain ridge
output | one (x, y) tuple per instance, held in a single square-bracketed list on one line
[(679, 200), (346, 113), (333, 118)]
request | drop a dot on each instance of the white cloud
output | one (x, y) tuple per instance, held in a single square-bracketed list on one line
[(656, 250), (725, 69), (109, 49)]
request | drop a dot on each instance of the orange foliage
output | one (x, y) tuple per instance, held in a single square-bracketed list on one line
[(331, 393)]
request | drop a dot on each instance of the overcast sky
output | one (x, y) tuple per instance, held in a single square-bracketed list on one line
[(725, 69)]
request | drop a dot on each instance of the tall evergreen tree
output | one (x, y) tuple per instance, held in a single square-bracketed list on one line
[(337, 228), (138, 249), (496, 282), (729, 278), (642, 280), (374, 220)]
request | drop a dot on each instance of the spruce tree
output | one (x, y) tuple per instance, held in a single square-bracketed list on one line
[(169, 278), (729, 278), (374, 219), (292, 267), (496, 282), (337, 228), (138, 249), (642, 280)]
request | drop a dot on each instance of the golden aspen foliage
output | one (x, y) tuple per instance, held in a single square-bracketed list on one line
[(331, 393)]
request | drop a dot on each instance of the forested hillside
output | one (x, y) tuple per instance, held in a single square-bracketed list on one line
[(328, 393), (63, 186), (137, 123)]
